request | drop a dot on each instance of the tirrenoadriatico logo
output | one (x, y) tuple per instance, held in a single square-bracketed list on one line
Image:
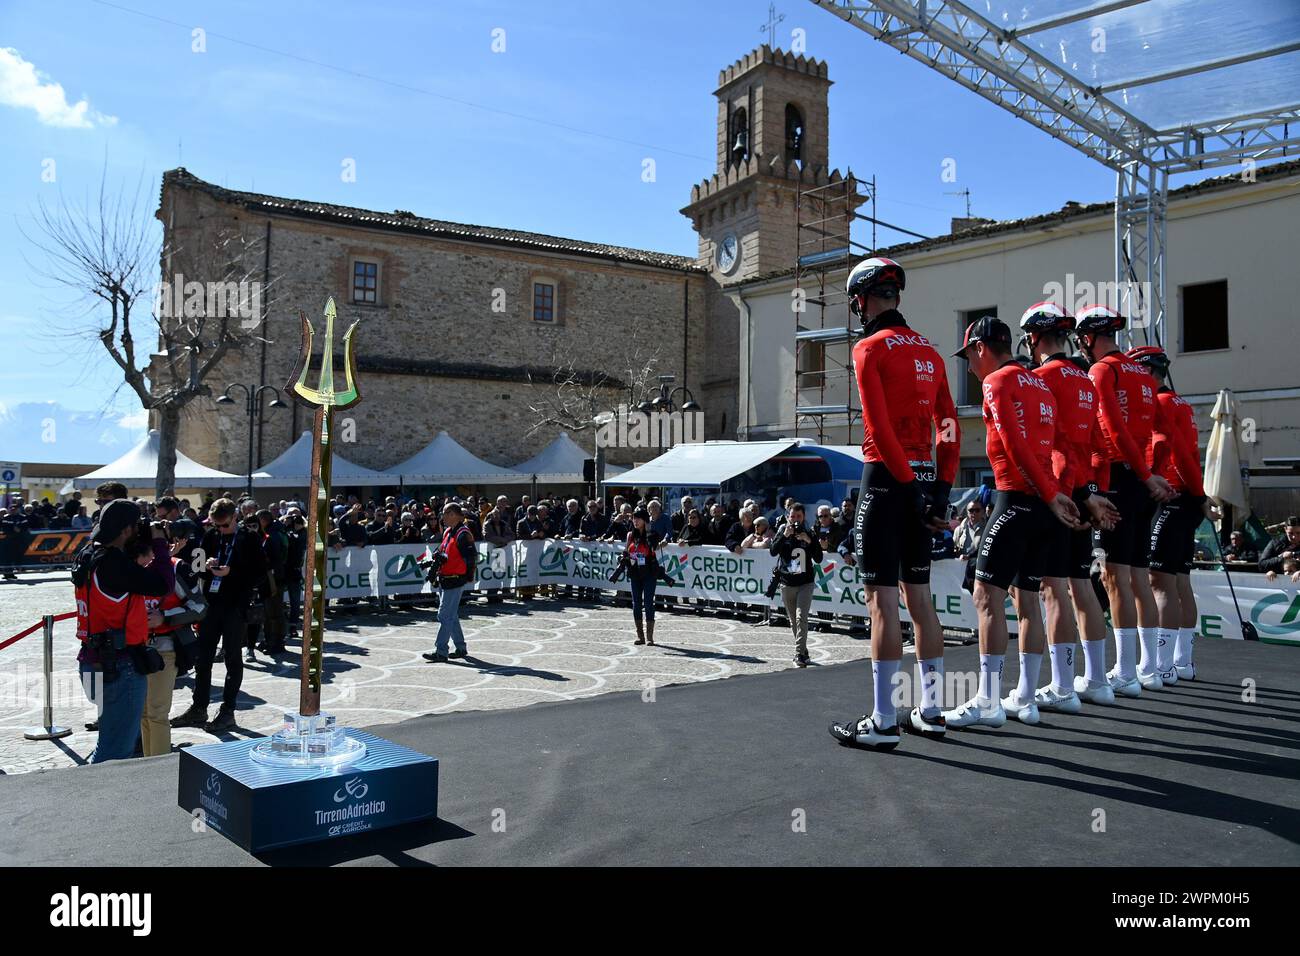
[(355, 789)]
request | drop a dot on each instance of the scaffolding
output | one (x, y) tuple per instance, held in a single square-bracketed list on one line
[(1235, 105), (824, 384)]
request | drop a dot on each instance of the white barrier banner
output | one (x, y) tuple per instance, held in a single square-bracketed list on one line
[(716, 574)]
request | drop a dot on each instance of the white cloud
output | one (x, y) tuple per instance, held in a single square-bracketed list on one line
[(137, 421), (21, 85)]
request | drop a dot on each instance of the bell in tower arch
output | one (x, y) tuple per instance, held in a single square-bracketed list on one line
[(793, 134), (739, 137)]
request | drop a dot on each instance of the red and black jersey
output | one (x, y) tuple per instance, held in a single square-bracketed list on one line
[(1020, 430), (907, 410), (1076, 422), (1126, 409), (1175, 453)]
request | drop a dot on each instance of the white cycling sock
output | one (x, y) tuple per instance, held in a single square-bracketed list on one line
[(1149, 638), (990, 691), (1186, 642), (929, 677), (1168, 637), (1030, 667), (1126, 650), (883, 675), (1094, 661), (1062, 667)]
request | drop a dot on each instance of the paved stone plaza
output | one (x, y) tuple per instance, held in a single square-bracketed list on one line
[(553, 649)]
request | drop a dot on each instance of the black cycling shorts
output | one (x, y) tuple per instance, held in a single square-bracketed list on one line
[(1129, 542), (1016, 541), (1070, 555), (893, 544), (1173, 534)]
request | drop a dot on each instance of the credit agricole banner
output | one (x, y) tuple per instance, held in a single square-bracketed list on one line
[(720, 575)]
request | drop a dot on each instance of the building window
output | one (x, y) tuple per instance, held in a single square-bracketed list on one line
[(365, 282), (543, 302), (1204, 321), (968, 386), (811, 363)]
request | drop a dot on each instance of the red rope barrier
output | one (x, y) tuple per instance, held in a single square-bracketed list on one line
[(33, 629), (18, 637)]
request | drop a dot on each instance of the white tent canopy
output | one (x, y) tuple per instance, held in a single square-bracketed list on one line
[(702, 464), (560, 461), (292, 469), (445, 461), (138, 468)]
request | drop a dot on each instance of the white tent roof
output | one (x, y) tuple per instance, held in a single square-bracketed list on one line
[(138, 468), (445, 461), (292, 469), (702, 464), (560, 461)]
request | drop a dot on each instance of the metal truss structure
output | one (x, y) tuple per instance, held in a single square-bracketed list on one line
[(1003, 63)]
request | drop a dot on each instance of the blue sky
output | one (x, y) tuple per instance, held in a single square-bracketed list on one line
[(548, 135)]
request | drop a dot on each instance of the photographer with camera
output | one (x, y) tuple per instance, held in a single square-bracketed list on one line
[(113, 623), (235, 568), (453, 565), (797, 552)]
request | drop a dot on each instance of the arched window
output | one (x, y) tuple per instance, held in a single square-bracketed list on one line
[(738, 137), (793, 133)]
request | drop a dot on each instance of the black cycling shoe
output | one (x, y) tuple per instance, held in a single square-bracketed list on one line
[(864, 732)]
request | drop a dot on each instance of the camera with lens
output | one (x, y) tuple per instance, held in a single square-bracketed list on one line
[(432, 565), (620, 571), (773, 583)]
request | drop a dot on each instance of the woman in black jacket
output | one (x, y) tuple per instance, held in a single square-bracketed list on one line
[(692, 532), (642, 573)]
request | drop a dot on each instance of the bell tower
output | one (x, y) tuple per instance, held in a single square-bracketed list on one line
[(772, 142)]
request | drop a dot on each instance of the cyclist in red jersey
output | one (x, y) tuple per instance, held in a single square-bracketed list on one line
[(1067, 578), (911, 445), (1174, 453), (1020, 431), (1126, 399)]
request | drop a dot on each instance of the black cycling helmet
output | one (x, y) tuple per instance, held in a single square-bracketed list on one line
[(882, 276), (1099, 320), (1046, 317)]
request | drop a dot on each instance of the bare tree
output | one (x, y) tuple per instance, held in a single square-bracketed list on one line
[(107, 251), (572, 397)]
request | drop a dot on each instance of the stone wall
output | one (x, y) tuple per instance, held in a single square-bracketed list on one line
[(435, 310)]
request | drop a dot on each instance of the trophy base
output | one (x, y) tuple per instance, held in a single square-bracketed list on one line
[(310, 743)]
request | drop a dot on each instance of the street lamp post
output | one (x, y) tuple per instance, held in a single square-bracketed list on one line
[(252, 401), (664, 402)]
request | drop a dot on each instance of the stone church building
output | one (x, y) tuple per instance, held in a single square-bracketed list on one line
[(456, 319)]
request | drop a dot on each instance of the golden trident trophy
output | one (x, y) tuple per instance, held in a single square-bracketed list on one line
[(308, 737)]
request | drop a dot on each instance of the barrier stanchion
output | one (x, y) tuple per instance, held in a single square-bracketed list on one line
[(50, 731)]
